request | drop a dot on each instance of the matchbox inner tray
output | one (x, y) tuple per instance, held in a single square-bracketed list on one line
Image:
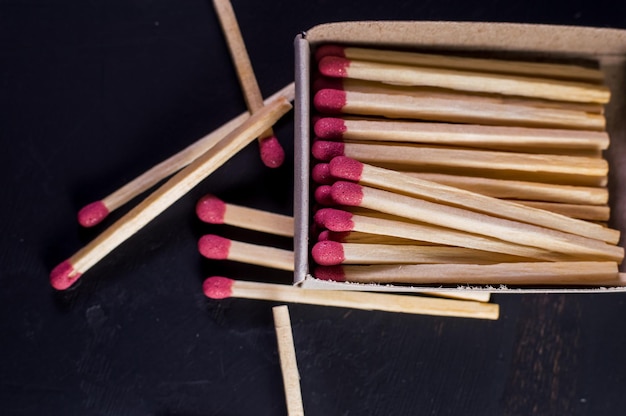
[(528, 42)]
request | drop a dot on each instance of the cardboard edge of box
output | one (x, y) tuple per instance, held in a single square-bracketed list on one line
[(606, 45)]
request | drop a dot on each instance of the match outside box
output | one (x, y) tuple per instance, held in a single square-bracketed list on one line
[(459, 155)]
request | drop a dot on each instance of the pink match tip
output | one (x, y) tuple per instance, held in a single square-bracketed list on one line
[(329, 128), (272, 153), (325, 151), (329, 50), (328, 253), (334, 273), (323, 196), (324, 235), (214, 247), (218, 287), (63, 276), (211, 209), (330, 101), (323, 83), (347, 193), (334, 219), (343, 167), (92, 214), (321, 174), (334, 66)]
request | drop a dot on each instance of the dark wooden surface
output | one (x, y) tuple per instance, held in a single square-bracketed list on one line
[(92, 93)]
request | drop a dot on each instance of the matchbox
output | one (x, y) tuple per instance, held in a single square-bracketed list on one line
[(588, 50)]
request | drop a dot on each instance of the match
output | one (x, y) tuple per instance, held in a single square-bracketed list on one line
[(221, 287), (468, 109), (350, 169), (69, 271), (412, 157), (469, 135), (515, 67), (415, 209), (571, 273), (331, 253), (288, 361), (272, 153), (465, 80), (95, 212), (599, 213), (215, 247), (213, 210)]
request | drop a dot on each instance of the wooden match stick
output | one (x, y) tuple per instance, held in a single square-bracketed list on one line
[(578, 273), (350, 169), (70, 270), (464, 80), (272, 152), (341, 221), (468, 109), (93, 213), (364, 238), (600, 213), (540, 69), (213, 210), (470, 135), (525, 190), (288, 360), (416, 209), (461, 158), (221, 287), (220, 248), (332, 253)]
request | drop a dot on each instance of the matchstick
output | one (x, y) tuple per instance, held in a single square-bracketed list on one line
[(69, 271), (338, 220), (468, 109), (600, 213), (535, 69), (221, 288), (350, 169), (470, 135), (288, 360), (525, 190), (220, 248), (332, 253), (364, 238), (213, 210), (417, 156), (576, 273), (415, 209), (95, 212), (272, 153), (464, 80)]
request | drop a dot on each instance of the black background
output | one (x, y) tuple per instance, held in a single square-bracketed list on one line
[(93, 93)]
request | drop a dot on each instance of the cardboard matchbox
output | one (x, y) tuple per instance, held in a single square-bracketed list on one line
[(521, 41)]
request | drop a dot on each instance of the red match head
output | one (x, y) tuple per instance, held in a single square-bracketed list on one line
[(322, 195), (321, 174), (329, 50), (347, 193), (343, 167), (330, 128), (334, 219), (63, 276), (92, 214), (329, 101), (334, 66), (214, 247), (325, 151), (211, 209), (272, 153), (328, 253), (218, 287), (334, 273), (321, 83)]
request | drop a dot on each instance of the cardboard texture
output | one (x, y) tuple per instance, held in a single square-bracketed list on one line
[(524, 41)]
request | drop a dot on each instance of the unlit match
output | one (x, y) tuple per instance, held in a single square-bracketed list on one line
[(213, 210), (221, 287), (220, 248), (69, 271), (95, 212), (272, 153)]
